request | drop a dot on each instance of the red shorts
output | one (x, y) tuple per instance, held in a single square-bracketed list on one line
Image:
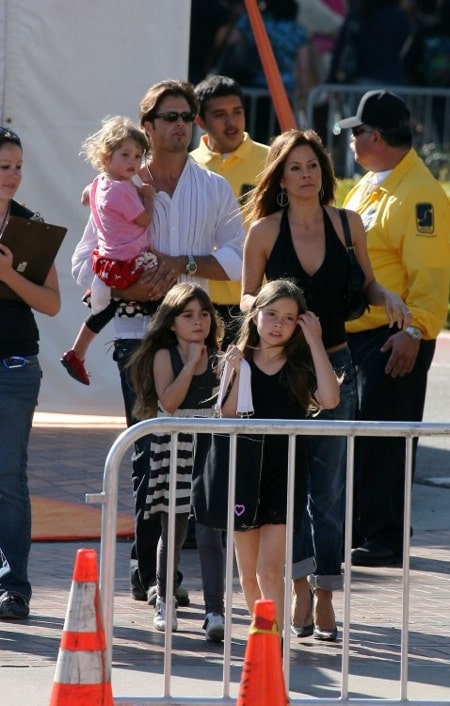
[(121, 273)]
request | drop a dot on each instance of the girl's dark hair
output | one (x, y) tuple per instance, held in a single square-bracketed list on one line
[(160, 335), (262, 201), (299, 369), (9, 137)]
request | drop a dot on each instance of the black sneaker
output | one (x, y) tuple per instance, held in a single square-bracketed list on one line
[(138, 592), (12, 606), (181, 594)]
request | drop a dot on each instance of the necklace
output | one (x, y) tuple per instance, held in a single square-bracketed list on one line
[(164, 182), (150, 174), (5, 220)]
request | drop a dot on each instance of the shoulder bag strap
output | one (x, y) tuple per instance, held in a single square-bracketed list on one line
[(347, 235), (348, 238)]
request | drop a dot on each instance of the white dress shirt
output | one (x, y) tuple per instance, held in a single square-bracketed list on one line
[(202, 217)]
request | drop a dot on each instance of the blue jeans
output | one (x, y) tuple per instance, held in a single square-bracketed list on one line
[(19, 390), (318, 544)]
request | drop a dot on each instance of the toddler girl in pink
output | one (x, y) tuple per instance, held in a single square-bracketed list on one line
[(121, 210)]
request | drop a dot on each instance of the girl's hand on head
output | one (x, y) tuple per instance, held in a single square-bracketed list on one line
[(310, 325), (233, 356), (397, 311)]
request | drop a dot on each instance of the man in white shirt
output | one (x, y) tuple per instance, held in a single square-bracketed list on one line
[(197, 233)]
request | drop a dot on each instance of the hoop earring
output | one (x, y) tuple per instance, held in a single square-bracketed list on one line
[(283, 199)]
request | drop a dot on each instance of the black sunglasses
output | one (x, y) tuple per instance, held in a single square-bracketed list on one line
[(172, 116), (7, 134), (359, 129)]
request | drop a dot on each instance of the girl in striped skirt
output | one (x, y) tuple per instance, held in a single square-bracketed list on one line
[(174, 374)]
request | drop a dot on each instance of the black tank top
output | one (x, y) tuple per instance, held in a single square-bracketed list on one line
[(324, 290)]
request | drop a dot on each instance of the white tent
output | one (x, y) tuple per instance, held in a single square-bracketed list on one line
[(65, 66)]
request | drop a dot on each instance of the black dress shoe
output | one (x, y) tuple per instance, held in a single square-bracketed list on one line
[(325, 635), (304, 631), (370, 554), (138, 592)]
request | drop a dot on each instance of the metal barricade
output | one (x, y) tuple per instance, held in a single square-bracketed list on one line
[(430, 121), (260, 118), (109, 497)]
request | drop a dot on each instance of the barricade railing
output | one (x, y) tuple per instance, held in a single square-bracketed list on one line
[(327, 103), (108, 498), (260, 118), (430, 121)]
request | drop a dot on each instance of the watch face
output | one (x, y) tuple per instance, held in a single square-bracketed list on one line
[(414, 332), (191, 267)]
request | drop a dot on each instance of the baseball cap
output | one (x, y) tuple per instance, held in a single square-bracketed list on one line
[(381, 109)]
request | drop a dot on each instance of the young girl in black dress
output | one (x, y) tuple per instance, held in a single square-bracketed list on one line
[(290, 375)]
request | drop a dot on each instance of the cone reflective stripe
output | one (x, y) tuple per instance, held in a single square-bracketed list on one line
[(262, 679), (80, 676), (83, 627)]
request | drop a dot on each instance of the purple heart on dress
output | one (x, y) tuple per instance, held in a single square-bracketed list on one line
[(239, 510)]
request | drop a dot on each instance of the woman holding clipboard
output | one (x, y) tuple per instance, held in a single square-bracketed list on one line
[(20, 379)]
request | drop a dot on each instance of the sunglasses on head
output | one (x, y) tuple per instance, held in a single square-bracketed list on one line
[(359, 129), (7, 134), (172, 116)]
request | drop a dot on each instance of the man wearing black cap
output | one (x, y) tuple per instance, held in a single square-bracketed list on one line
[(406, 215)]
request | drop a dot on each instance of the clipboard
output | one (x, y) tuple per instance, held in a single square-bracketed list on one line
[(34, 245)]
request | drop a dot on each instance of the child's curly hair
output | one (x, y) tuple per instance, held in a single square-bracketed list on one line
[(99, 147)]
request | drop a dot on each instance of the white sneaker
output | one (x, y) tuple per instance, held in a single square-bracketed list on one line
[(214, 627), (160, 617)]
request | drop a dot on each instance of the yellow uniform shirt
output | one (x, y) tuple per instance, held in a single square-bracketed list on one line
[(407, 222), (241, 169)]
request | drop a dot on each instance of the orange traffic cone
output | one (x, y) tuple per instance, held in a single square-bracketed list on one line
[(81, 678), (262, 679)]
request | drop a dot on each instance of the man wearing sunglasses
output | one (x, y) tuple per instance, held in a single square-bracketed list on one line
[(406, 215), (198, 235)]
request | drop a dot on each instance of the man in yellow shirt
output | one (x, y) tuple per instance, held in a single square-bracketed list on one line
[(406, 214), (225, 148)]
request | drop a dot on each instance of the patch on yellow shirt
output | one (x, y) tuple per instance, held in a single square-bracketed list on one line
[(424, 218)]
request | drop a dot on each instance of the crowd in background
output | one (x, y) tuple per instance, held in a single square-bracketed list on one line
[(325, 41)]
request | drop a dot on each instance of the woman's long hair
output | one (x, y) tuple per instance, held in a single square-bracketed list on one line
[(262, 200), (160, 335), (299, 375)]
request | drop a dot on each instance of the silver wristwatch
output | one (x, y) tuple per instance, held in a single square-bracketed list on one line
[(414, 332), (191, 266)]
